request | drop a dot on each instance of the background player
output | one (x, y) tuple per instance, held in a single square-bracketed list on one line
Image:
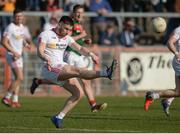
[(174, 47), (14, 38), (74, 58)]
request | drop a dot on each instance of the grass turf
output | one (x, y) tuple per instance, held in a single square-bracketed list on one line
[(124, 114)]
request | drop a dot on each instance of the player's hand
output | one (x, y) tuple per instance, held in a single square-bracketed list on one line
[(178, 57), (95, 58), (48, 64), (83, 34), (88, 41), (16, 56), (28, 46)]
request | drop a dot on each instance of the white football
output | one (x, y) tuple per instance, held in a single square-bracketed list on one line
[(159, 24)]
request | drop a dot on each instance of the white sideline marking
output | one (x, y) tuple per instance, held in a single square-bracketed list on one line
[(71, 129)]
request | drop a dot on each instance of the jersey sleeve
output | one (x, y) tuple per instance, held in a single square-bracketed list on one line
[(177, 33), (27, 33), (43, 37), (7, 32), (70, 40)]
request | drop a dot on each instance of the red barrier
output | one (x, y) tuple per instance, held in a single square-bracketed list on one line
[(7, 70)]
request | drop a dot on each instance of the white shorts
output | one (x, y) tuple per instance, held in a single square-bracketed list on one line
[(52, 75), (78, 60), (14, 63), (176, 66)]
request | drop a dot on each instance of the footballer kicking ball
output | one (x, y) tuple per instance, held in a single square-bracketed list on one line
[(159, 24)]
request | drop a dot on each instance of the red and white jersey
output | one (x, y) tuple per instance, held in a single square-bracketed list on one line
[(176, 34), (16, 34), (55, 46)]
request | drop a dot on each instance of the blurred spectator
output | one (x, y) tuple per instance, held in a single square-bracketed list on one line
[(69, 4), (52, 5), (158, 5), (177, 6), (172, 6), (127, 36), (33, 5), (43, 5), (52, 22), (117, 5), (21, 4), (169, 5), (101, 7), (7, 6), (130, 5), (109, 36)]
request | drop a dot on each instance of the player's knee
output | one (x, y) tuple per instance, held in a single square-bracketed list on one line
[(77, 96), (20, 79), (76, 71), (72, 70)]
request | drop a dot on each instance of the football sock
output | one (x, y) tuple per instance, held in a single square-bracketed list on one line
[(60, 115), (15, 98), (170, 100), (103, 73), (8, 95), (38, 81), (92, 103), (155, 96)]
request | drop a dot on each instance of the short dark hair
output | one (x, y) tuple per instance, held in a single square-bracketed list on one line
[(17, 11), (76, 7), (66, 20)]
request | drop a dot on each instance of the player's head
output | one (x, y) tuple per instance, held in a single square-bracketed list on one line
[(78, 12), (18, 16), (65, 25)]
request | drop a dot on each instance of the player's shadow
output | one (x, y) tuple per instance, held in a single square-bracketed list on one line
[(100, 117)]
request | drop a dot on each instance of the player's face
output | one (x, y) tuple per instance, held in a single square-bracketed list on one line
[(79, 14), (64, 29), (18, 18)]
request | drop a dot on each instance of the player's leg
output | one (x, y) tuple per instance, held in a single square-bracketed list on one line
[(36, 82), (73, 86), (68, 72), (92, 101), (167, 102), (18, 72), (13, 64), (150, 95), (84, 62), (14, 88)]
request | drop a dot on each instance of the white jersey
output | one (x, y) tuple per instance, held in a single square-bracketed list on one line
[(16, 34), (176, 63), (55, 46), (177, 36)]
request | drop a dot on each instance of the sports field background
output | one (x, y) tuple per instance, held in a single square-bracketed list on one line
[(124, 114)]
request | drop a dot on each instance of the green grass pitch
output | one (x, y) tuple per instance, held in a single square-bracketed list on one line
[(124, 114)]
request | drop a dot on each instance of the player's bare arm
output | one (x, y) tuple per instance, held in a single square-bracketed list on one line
[(27, 42), (80, 36), (172, 48), (84, 51), (41, 54), (6, 44)]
